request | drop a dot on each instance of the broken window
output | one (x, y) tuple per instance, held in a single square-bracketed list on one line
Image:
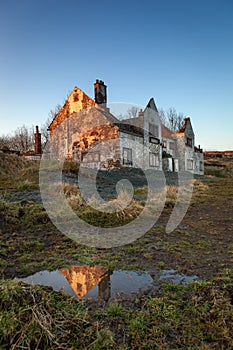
[(153, 130), (153, 159), (190, 164), (127, 156)]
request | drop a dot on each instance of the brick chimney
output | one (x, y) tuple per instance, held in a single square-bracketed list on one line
[(140, 113), (100, 90), (38, 148)]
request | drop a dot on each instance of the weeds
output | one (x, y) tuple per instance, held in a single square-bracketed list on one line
[(18, 173), (195, 316), (198, 316)]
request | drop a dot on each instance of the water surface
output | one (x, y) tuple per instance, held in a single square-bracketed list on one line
[(102, 284)]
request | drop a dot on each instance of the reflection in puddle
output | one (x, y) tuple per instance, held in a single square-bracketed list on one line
[(99, 283), (92, 282), (82, 279), (172, 276)]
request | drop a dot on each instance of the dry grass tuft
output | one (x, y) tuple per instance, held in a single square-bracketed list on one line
[(122, 206)]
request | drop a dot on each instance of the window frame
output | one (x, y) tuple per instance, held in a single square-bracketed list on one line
[(153, 160), (189, 164), (189, 142), (128, 160), (201, 166)]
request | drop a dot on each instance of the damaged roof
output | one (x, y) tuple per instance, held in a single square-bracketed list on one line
[(166, 133)]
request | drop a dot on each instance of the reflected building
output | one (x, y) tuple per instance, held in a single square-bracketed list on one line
[(82, 279)]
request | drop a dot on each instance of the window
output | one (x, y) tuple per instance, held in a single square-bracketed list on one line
[(190, 164), (171, 145), (153, 130), (127, 156), (153, 159), (201, 166), (189, 142), (89, 157), (164, 144)]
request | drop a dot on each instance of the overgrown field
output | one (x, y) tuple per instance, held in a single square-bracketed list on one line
[(197, 316)]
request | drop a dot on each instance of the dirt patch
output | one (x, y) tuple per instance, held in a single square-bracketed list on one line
[(198, 315), (201, 245)]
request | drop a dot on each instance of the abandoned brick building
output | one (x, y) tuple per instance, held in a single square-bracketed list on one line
[(85, 131)]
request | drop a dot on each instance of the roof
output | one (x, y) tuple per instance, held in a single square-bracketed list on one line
[(166, 133), (78, 101), (151, 104), (109, 116), (137, 121), (130, 129)]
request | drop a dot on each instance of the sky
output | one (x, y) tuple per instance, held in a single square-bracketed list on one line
[(180, 52)]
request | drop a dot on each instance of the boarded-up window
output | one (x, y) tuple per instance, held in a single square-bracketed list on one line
[(153, 130), (127, 156), (153, 160)]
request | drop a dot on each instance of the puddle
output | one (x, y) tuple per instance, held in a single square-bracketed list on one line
[(172, 276), (102, 284), (92, 282)]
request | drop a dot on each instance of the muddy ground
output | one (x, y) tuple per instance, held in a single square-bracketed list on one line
[(165, 316), (202, 244)]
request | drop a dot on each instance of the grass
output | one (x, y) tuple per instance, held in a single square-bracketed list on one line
[(195, 316), (23, 214), (18, 173), (197, 244)]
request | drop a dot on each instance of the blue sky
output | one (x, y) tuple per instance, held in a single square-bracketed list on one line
[(178, 51)]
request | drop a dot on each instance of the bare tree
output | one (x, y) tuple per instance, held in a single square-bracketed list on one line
[(180, 121), (5, 142), (132, 112), (53, 112), (22, 140), (44, 127), (171, 119), (162, 115)]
